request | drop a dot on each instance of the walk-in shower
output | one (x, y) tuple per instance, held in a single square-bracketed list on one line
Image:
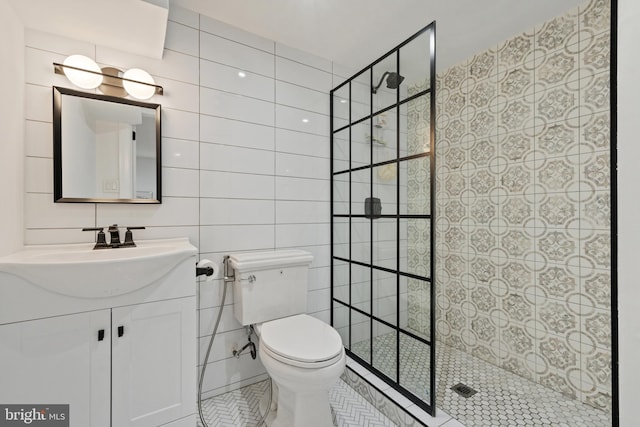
[(382, 141), (502, 251)]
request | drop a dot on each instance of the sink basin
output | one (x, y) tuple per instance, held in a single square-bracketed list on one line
[(79, 271)]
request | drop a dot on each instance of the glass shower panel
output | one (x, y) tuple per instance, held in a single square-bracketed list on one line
[(415, 128), (416, 300), (361, 287), (340, 235), (341, 194), (385, 297), (341, 107), (384, 349), (341, 149), (341, 276), (385, 187), (415, 186), (361, 240), (384, 136), (415, 65), (361, 144), (381, 217), (415, 246), (341, 322), (385, 252), (415, 366), (361, 335), (403, 305), (361, 96), (360, 190), (385, 82)]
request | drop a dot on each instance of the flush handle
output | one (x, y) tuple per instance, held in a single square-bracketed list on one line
[(101, 335), (120, 331)]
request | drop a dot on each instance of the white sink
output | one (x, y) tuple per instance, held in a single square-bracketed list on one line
[(80, 271)]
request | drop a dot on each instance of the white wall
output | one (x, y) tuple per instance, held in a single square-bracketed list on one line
[(628, 209), (11, 120), (241, 170)]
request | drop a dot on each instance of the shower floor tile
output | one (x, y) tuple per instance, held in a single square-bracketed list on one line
[(503, 399), (239, 408)]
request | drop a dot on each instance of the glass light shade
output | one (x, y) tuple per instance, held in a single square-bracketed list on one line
[(79, 78), (138, 90)]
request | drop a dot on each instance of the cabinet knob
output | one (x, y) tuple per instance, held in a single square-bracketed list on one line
[(101, 335), (120, 331)]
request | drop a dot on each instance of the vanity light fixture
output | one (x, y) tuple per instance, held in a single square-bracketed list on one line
[(86, 74), (82, 71)]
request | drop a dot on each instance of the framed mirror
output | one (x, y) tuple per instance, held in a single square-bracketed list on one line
[(105, 149)]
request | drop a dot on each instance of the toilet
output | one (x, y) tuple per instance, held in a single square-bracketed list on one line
[(303, 355)]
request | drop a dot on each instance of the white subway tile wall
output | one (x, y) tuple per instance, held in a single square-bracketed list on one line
[(245, 161)]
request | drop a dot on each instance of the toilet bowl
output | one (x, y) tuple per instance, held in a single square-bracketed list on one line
[(304, 357)]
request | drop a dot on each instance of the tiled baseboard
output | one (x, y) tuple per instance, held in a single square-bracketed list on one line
[(401, 411)]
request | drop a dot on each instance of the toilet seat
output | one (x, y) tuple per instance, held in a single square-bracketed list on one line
[(301, 341)]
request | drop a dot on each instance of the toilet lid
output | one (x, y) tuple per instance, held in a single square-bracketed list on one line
[(301, 338)]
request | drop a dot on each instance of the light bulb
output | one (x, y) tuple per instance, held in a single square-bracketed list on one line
[(80, 78), (138, 90)]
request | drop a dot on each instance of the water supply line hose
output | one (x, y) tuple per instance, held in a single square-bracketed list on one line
[(206, 358)]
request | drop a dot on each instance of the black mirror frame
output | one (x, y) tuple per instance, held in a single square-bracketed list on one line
[(57, 146)]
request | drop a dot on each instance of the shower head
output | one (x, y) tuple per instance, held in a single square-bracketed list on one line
[(393, 81)]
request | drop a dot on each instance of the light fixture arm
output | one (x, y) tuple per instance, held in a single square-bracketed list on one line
[(59, 69)]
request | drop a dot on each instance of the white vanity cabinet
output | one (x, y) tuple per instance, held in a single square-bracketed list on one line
[(150, 380), (125, 360), (59, 360)]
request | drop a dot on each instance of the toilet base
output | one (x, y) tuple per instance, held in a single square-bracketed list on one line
[(301, 396), (296, 410)]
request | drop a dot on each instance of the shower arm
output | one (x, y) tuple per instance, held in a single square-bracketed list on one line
[(375, 89)]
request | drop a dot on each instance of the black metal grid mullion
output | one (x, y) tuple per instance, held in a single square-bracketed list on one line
[(432, 201), (398, 221), (386, 162), (372, 115), (430, 406), (331, 201), (371, 220), (350, 220)]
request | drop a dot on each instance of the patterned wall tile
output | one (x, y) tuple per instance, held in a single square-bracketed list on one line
[(595, 55), (595, 134), (523, 174), (594, 93), (595, 18), (517, 146), (557, 104), (515, 52), (483, 65), (559, 139), (559, 68), (557, 34)]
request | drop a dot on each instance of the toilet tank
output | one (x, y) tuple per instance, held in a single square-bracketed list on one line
[(269, 285)]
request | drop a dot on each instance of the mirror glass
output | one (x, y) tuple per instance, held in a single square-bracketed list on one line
[(106, 149)]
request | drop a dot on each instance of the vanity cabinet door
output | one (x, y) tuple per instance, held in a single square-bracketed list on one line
[(59, 360), (153, 361)]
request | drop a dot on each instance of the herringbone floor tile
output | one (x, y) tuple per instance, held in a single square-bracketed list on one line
[(239, 408)]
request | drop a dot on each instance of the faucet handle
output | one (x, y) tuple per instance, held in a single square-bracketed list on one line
[(101, 240), (115, 235), (128, 237)]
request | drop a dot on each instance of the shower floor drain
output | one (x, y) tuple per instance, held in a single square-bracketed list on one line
[(463, 390)]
